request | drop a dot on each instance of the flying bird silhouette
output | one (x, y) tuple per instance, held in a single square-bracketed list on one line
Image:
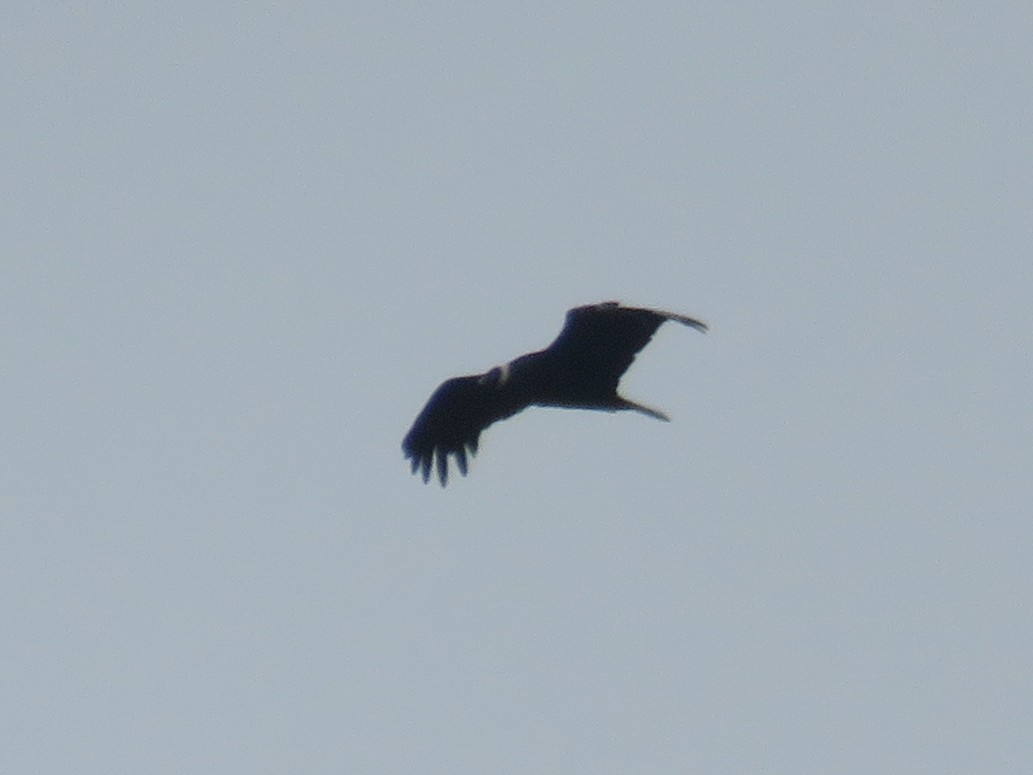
[(579, 370)]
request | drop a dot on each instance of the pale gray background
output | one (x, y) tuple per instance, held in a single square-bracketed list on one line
[(241, 244)]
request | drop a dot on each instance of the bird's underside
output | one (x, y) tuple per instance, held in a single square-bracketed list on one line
[(579, 370)]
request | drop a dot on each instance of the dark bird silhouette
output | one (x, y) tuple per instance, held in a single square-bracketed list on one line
[(580, 370)]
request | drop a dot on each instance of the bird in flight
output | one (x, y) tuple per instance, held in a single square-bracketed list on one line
[(579, 370)]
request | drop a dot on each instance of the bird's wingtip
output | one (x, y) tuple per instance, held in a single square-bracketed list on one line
[(699, 325)]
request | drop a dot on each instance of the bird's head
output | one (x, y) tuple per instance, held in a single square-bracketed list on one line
[(495, 377)]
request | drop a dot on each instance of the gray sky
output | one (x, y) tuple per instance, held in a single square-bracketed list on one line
[(241, 245)]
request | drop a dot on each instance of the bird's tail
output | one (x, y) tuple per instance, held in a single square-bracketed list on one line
[(648, 410)]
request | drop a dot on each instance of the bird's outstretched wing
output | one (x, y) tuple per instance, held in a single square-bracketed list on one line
[(602, 339), (452, 421)]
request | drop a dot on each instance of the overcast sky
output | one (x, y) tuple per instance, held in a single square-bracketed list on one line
[(241, 244)]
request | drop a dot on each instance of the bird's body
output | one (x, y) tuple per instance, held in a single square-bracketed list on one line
[(579, 370)]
